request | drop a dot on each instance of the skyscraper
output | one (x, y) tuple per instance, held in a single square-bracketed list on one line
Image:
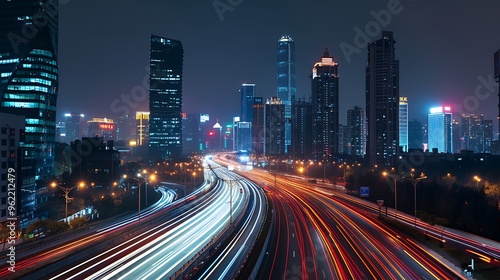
[(477, 133), (403, 123), (440, 121), (382, 100), (258, 126), (74, 126), (356, 121), (29, 73), (415, 135), (302, 129), (247, 93), (142, 128), (165, 98), (325, 102), (286, 79), (274, 127)]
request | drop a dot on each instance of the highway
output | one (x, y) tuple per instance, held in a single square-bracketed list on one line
[(226, 264), (29, 258), (162, 251), (316, 236)]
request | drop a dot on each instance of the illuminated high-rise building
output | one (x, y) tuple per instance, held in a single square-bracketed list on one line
[(286, 80), (75, 125), (440, 125), (477, 133), (382, 101), (247, 93), (142, 128), (356, 123), (258, 126), (302, 112), (103, 128), (403, 123), (166, 58), (325, 102), (29, 73), (274, 127)]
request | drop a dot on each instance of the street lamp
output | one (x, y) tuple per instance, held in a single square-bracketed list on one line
[(66, 191), (231, 198), (139, 180), (194, 176), (394, 178), (477, 180), (414, 181)]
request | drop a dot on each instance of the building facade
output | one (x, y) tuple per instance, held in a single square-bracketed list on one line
[(102, 127), (403, 123), (302, 112), (325, 102), (274, 127), (247, 94), (415, 135), (165, 98), (29, 73), (142, 128), (356, 121), (440, 125), (382, 101), (286, 82), (258, 126), (75, 125)]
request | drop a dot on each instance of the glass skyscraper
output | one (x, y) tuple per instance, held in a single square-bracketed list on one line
[(165, 98), (382, 100), (325, 103), (247, 92), (403, 123), (440, 123), (29, 73), (286, 78)]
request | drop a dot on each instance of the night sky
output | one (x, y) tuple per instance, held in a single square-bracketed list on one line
[(443, 48)]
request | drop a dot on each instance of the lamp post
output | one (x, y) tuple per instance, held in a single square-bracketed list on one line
[(395, 179), (194, 177), (139, 180), (231, 198), (66, 191), (414, 181), (477, 181)]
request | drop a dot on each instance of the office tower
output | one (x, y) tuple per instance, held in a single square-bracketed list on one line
[(102, 127), (344, 140), (356, 121), (227, 137), (440, 122), (74, 126), (204, 130), (274, 127), (302, 113), (190, 133), (242, 133), (142, 128), (22, 163), (477, 133), (165, 98), (382, 100), (286, 80), (497, 79), (247, 93), (457, 139), (29, 73), (126, 128), (415, 134), (325, 102), (258, 126), (403, 123), (60, 132)]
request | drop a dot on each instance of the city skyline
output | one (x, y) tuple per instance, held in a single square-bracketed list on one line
[(434, 78)]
